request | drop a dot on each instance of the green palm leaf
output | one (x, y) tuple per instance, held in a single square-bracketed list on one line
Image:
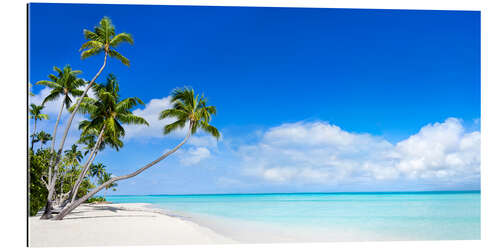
[(188, 107)]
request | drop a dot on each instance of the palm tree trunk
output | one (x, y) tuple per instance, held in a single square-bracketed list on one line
[(62, 182), (33, 135), (68, 126), (78, 202), (53, 143), (86, 167)]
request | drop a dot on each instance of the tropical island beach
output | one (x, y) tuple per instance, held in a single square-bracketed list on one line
[(119, 225), (154, 125)]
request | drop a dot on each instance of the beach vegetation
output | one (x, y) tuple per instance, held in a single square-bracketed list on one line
[(107, 114), (36, 114), (102, 39)]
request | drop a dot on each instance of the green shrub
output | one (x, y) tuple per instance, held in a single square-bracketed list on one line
[(96, 199), (38, 165)]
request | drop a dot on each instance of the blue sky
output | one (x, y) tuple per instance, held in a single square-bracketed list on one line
[(308, 99)]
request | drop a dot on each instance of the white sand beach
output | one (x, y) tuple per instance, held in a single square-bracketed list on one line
[(119, 225)]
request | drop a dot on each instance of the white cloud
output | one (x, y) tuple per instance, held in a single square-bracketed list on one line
[(203, 141), (318, 152), (193, 156), (440, 150)]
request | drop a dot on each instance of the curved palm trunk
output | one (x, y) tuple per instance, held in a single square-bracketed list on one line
[(78, 202), (53, 164), (86, 167)]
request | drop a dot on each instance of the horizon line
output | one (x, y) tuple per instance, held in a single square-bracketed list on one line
[(353, 192)]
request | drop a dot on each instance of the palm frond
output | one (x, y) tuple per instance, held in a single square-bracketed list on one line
[(51, 97), (120, 38), (49, 84), (90, 52), (115, 54), (169, 128), (128, 103), (92, 44), (76, 92), (67, 101), (89, 35), (174, 113), (210, 129), (132, 119)]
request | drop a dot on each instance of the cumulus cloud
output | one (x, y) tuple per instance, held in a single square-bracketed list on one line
[(193, 155), (440, 150), (318, 152)]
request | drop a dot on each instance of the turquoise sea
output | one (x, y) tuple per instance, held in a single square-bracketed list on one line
[(306, 217)]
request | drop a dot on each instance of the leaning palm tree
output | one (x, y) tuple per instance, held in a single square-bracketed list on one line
[(187, 109), (64, 85), (36, 114), (102, 40), (107, 113)]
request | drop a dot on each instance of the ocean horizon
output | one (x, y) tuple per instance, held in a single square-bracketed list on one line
[(327, 216)]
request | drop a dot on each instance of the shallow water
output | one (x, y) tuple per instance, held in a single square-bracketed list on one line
[(328, 216)]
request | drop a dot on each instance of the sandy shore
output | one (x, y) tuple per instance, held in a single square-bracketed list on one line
[(118, 225)]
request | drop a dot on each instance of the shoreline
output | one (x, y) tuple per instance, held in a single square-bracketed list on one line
[(120, 224)]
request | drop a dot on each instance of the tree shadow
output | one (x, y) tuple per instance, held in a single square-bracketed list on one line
[(109, 208), (106, 216)]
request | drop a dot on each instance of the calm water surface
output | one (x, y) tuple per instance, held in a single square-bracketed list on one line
[(328, 216)]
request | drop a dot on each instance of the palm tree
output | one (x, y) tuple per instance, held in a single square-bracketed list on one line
[(73, 157), (36, 114), (103, 179), (102, 39), (65, 84), (42, 137), (187, 109), (97, 170), (107, 113)]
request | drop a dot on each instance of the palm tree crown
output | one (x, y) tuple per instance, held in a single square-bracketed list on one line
[(36, 112), (73, 155), (42, 137), (97, 170), (103, 39), (189, 108), (108, 110), (65, 84)]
